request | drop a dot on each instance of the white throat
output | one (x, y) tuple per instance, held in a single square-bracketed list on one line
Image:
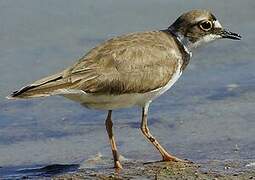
[(188, 45), (205, 40)]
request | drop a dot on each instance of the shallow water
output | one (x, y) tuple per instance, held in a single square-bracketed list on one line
[(207, 115)]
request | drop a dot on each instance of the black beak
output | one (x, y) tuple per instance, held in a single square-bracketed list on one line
[(230, 35)]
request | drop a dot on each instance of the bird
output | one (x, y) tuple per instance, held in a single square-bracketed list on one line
[(131, 70)]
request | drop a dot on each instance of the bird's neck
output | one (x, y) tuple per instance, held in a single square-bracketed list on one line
[(182, 40), (185, 49)]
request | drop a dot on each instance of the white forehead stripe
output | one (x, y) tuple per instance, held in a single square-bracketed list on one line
[(217, 24)]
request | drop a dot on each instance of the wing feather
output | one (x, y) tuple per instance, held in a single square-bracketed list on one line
[(133, 63)]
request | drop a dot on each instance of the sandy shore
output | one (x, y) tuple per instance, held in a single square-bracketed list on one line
[(170, 170)]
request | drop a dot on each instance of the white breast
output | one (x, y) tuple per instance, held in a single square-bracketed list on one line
[(109, 102)]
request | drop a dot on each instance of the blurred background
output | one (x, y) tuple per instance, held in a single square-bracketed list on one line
[(207, 115)]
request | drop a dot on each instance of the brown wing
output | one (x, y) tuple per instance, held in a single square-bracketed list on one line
[(134, 63)]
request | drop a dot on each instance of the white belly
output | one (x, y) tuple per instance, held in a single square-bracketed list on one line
[(110, 102)]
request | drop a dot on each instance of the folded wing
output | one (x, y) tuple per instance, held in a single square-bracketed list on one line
[(133, 63)]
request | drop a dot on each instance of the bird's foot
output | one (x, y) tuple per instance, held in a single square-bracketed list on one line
[(118, 167), (175, 159)]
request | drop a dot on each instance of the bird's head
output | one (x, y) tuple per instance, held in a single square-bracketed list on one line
[(197, 27)]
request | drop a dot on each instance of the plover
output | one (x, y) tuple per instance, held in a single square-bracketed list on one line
[(131, 70)]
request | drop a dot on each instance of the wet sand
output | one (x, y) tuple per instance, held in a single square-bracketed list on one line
[(166, 170)]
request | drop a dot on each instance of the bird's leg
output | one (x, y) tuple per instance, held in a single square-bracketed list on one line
[(109, 124), (146, 132)]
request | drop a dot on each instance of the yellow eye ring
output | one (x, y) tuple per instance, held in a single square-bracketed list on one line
[(206, 25)]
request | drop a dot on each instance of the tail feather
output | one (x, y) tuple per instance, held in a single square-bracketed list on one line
[(19, 92), (41, 88)]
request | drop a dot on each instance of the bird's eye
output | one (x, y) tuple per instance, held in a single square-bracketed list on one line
[(206, 25)]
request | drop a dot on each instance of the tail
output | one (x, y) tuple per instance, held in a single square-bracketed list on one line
[(44, 87)]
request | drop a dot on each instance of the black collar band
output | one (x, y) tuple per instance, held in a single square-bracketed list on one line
[(180, 40)]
